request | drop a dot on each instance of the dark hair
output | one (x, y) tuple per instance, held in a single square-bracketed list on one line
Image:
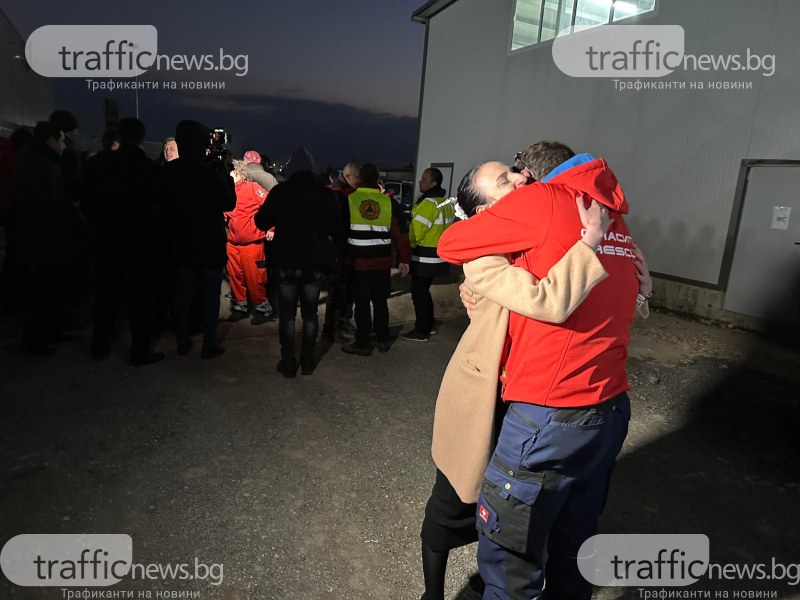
[(109, 137), (63, 120), (438, 178), (543, 157), (469, 197), (369, 174), (45, 130), (131, 131), (20, 138)]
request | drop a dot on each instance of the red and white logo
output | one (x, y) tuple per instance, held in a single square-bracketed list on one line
[(483, 513)]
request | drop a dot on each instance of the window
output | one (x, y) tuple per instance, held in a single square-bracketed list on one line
[(537, 21)]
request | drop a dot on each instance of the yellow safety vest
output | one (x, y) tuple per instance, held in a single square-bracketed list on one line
[(370, 223)]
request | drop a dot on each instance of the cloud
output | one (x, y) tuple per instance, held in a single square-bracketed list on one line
[(335, 133)]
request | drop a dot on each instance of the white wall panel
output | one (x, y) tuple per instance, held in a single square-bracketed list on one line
[(676, 152)]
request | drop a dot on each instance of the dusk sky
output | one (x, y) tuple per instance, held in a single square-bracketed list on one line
[(341, 78)]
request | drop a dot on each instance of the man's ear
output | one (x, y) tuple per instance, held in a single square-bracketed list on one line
[(481, 208)]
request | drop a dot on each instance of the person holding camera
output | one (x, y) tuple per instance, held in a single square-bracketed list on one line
[(198, 191)]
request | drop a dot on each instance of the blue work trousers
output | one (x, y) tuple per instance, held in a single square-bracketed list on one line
[(542, 495)]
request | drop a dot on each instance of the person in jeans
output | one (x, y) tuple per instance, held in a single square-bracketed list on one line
[(373, 229), (303, 214)]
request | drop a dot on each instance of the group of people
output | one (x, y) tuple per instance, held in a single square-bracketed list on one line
[(532, 410), (161, 235)]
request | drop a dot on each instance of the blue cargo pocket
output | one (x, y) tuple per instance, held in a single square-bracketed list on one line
[(506, 503)]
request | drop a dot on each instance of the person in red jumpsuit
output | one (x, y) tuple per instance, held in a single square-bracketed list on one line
[(247, 271)]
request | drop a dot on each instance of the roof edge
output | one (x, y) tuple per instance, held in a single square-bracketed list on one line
[(430, 9)]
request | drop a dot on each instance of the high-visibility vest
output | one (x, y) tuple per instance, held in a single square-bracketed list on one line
[(370, 223), (429, 219)]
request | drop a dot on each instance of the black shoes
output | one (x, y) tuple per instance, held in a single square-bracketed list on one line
[(147, 359), (334, 337), (237, 315), (357, 348), (307, 365), (383, 347), (415, 336), (212, 351), (259, 318), (287, 368)]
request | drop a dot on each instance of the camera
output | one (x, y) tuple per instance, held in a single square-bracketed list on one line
[(217, 145)]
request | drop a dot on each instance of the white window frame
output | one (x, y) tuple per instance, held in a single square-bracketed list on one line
[(632, 19)]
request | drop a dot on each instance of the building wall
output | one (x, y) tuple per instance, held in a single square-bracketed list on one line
[(677, 153), (25, 97)]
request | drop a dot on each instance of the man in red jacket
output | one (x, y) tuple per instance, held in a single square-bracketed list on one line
[(565, 383)]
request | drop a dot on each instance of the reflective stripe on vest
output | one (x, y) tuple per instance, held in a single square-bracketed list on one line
[(435, 215), (370, 223)]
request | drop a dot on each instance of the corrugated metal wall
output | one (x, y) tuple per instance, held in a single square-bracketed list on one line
[(677, 153)]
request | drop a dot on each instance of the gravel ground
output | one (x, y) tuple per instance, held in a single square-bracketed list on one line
[(314, 488)]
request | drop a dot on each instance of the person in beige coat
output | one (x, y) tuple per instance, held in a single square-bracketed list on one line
[(463, 431)]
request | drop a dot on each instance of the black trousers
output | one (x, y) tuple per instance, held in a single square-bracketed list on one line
[(339, 305), (12, 278), (423, 303), (117, 284), (187, 281), (294, 285), (371, 295), (42, 284)]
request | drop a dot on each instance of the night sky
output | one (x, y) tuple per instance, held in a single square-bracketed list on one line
[(341, 78)]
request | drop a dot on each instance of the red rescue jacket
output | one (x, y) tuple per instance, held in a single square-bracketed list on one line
[(241, 228), (581, 361)]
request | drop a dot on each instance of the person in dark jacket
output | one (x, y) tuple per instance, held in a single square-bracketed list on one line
[(197, 194), (339, 303), (121, 189), (12, 279), (47, 235), (303, 214), (71, 163)]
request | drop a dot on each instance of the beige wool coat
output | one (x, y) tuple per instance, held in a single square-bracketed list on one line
[(463, 423)]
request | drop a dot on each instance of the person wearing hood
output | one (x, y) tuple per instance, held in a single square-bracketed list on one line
[(565, 384), (197, 195), (431, 216), (303, 214)]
